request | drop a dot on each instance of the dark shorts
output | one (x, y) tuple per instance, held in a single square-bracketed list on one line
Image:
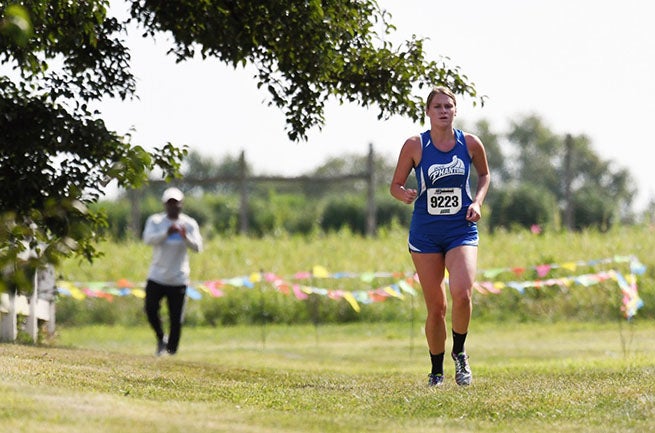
[(443, 242)]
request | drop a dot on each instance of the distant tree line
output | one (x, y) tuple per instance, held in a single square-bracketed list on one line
[(538, 178)]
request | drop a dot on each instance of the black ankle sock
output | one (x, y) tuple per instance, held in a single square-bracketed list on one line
[(437, 363), (458, 342)]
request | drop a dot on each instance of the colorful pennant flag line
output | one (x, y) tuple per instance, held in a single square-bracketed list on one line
[(542, 270), (631, 301), (403, 284)]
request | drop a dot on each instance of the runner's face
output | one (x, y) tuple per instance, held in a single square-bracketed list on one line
[(173, 208), (441, 110)]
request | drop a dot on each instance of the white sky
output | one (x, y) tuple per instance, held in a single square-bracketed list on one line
[(584, 66)]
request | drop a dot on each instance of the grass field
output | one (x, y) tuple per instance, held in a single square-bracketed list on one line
[(341, 252), (337, 378), (556, 376)]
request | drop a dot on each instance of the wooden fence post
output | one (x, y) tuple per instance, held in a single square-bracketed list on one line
[(134, 225), (371, 221), (568, 177), (243, 194), (32, 324)]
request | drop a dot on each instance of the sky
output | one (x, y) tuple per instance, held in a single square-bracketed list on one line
[(583, 66)]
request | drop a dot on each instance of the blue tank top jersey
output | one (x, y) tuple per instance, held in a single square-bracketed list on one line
[(443, 186)]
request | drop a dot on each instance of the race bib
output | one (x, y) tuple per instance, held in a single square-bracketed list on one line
[(444, 201)]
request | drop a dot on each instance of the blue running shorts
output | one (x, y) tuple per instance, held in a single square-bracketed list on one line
[(466, 234)]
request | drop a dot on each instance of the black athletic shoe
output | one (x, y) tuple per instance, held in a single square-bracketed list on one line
[(435, 380), (161, 347)]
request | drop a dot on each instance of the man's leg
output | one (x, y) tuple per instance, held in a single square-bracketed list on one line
[(154, 293), (176, 302)]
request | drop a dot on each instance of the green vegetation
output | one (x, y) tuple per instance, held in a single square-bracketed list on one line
[(225, 258)]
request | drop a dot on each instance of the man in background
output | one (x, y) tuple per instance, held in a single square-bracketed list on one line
[(171, 234)]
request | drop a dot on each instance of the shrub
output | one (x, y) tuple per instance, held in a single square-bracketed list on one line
[(390, 211), (522, 207), (127, 311), (344, 212)]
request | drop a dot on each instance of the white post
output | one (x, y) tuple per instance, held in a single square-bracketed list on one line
[(9, 328), (47, 293), (51, 321), (32, 326)]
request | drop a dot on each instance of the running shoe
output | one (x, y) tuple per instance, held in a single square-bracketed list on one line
[(435, 379), (463, 374), (161, 347)]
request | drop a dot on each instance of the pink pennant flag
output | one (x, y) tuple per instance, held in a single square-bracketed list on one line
[(543, 270), (487, 287), (335, 294), (214, 284), (480, 288), (213, 287), (270, 277), (299, 293), (98, 294), (216, 292)]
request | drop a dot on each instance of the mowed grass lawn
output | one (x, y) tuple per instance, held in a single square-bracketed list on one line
[(561, 377)]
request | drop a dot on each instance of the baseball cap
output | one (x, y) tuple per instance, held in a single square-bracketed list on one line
[(172, 194)]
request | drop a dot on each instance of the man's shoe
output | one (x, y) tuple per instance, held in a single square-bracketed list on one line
[(162, 347), (463, 374), (435, 379)]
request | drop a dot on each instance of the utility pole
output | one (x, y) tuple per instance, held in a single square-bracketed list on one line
[(134, 228), (568, 179), (371, 222), (243, 193)]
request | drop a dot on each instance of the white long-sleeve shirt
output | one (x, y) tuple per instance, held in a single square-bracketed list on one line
[(170, 260)]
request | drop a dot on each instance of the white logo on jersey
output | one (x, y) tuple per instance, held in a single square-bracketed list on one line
[(453, 168)]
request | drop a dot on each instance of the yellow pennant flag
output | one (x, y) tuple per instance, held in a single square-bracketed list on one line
[(255, 277), (74, 291), (570, 266), (320, 272), (352, 301), (392, 292)]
